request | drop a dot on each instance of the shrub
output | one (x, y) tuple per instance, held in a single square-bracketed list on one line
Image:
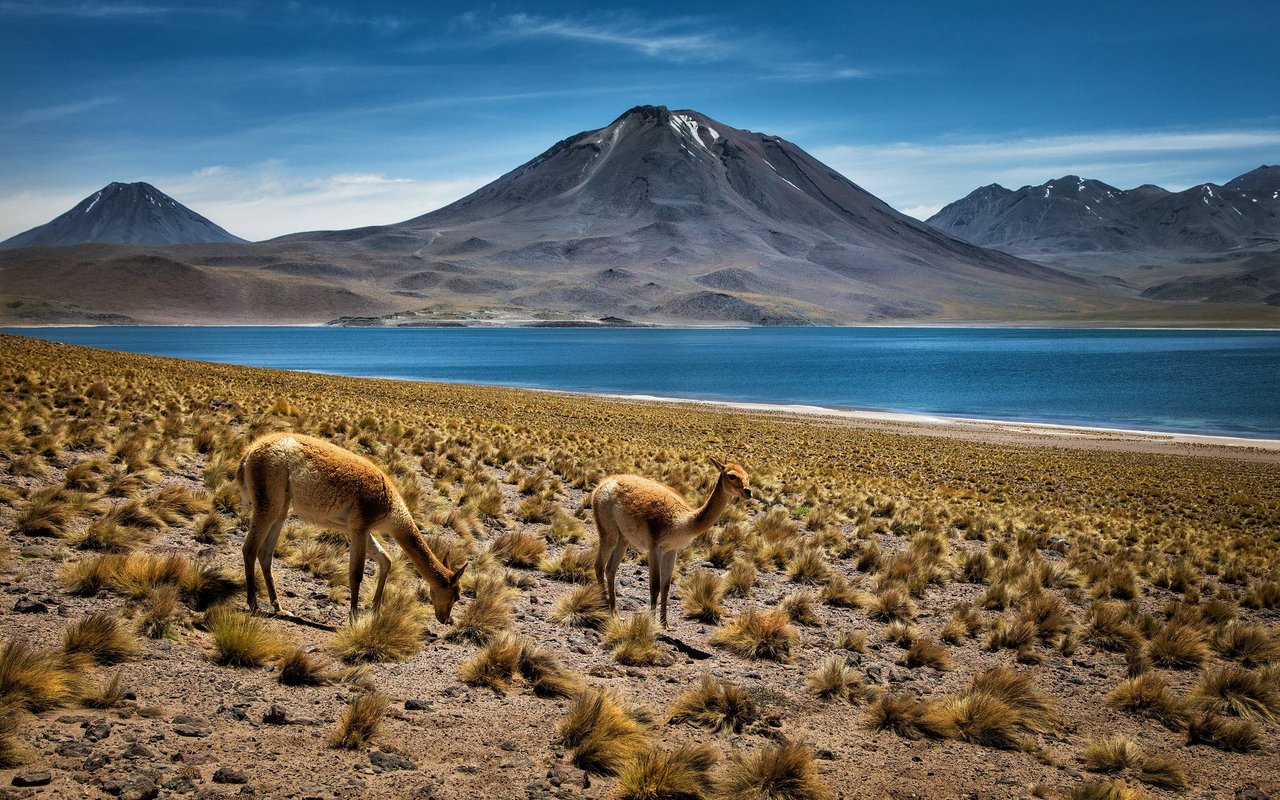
[(1237, 692), (519, 549), (758, 634), (700, 594), (781, 772), (359, 721), (834, 679), (740, 580), (715, 704), (680, 774), (583, 607), (928, 653), (1178, 647), (573, 565), (1149, 695), (890, 603), (632, 640), (37, 679), (798, 606), (602, 732), (485, 616), (392, 633), (1225, 733), (240, 640), (100, 637), (1112, 754)]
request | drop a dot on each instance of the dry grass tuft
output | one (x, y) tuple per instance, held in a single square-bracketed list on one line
[(632, 640), (715, 704), (1149, 695), (494, 665), (898, 713), (545, 674), (928, 653), (12, 750), (781, 772), (359, 721), (740, 579), (892, 603), (517, 549), (602, 731), (700, 594), (1225, 733), (101, 637), (108, 695), (240, 640), (1238, 692), (574, 565), (798, 606), (1177, 646), (392, 633), (1112, 754), (1105, 790), (680, 774), (758, 634), (37, 679), (485, 616), (583, 607), (1250, 645), (997, 709), (300, 668), (835, 679)]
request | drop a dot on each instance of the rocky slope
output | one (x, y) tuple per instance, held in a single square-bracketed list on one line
[(124, 213)]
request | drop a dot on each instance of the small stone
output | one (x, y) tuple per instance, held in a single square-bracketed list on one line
[(276, 715), (417, 705), (32, 779), (470, 769), (179, 785), (229, 775), (140, 751), (141, 789), (390, 761), (1251, 792), (314, 793), (28, 606), (96, 762), (73, 750), (564, 775), (825, 754), (508, 746), (96, 730)]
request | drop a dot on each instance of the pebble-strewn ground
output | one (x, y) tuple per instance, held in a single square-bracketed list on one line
[(1180, 548)]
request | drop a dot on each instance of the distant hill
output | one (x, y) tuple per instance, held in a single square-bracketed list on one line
[(124, 213), (1209, 243), (660, 217), (1073, 214)]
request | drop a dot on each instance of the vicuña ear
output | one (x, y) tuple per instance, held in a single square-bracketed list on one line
[(717, 464), (457, 574)]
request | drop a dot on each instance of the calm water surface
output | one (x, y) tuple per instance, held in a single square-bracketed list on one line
[(1197, 381)]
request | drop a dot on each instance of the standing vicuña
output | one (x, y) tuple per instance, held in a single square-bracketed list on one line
[(654, 518), (339, 490)]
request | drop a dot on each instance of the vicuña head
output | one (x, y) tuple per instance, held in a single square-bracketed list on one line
[(654, 518), (339, 490)]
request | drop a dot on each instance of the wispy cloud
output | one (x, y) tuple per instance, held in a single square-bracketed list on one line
[(816, 71), (48, 113), (921, 177), (680, 39), (57, 8), (270, 200)]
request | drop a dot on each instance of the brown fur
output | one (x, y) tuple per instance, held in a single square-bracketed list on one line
[(654, 518), (337, 489)]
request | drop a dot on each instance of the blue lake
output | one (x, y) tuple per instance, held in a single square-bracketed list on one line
[(1185, 381)]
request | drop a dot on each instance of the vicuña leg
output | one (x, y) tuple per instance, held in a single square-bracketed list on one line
[(666, 570), (267, 549), (615, 559), (384, 566), (355, 566), (655, 577)]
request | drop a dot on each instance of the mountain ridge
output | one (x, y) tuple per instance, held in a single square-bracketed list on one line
[(124, 213)]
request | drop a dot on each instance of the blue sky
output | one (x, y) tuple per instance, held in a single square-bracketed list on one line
[(274, 117)]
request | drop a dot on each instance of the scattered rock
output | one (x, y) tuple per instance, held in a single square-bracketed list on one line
[(1251, 792), (417, 705), (314, 793), (390, 761), (508, 746), (229, 775), (73, 750), (179, 785), (96, 730), (276, 715), (140, 751), (96, 762), (565, 775), (26, 605), (32, 779), (187, 725)]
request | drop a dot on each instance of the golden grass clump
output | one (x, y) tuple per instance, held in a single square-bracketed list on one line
[(700, 595), (544, 673), (494, 665), (240, 640), (1225, 733), (632, 640), (603, 732), (798, 606), (1249, 644), (1112, 754), (892, 603), (740, 579), (997, 709), (48, 513), (1109, 627), (392, 633), (487, 615), (839, 593), (834, 679), (1178, 646), (1106, 790), (297, 667), (516, 549), (680, 774), (573, 565), (101, 637), (36, 679), (1149, 695), (715, 704), (758, 634), (928, 653), (780, 772), (1238, 692), (808, 566), (12, 750), (360, 720), (582, 607)]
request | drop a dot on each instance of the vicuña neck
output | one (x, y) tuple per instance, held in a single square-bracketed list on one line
[(710, 512), (419, 554)]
